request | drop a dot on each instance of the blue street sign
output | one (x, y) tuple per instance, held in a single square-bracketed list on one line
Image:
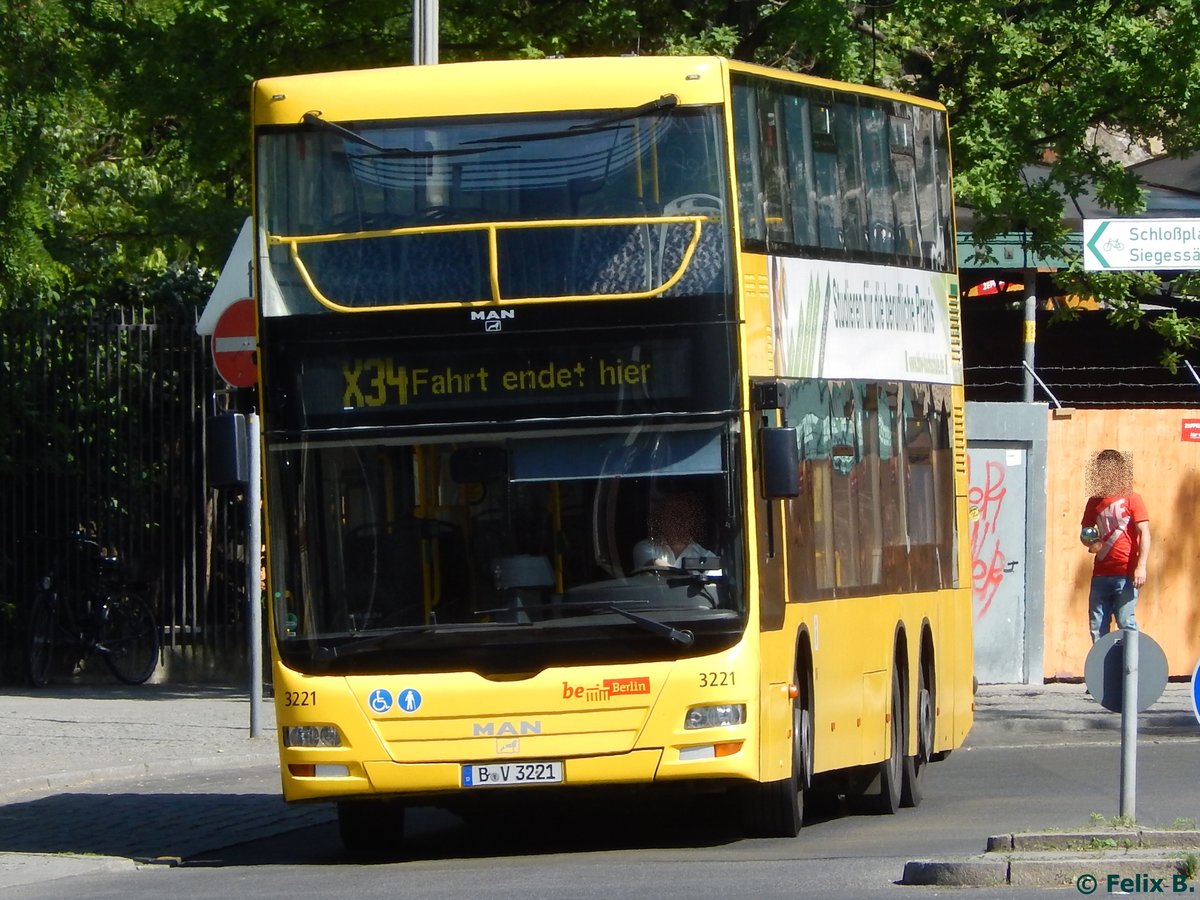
[(1196, 690)]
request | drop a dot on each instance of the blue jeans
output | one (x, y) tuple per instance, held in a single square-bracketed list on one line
[(1112, 596)]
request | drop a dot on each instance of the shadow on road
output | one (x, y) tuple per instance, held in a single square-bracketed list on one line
[(245, 829), (147, 826)]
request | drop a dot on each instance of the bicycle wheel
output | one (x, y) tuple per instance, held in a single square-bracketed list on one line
[(43, 623), (129, 638)]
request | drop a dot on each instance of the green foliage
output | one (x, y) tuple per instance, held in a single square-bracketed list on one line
[(1189, 866), (124, 150)]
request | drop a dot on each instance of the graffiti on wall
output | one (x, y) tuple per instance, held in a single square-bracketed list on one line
[(989, 562)]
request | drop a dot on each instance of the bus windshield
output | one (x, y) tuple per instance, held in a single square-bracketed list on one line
[(509, 552), (390, 213)]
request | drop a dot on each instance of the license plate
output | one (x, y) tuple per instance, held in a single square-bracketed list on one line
[(499, 774)]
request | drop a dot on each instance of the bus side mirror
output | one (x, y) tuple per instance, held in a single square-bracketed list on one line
[(227, 453), (780, 456)]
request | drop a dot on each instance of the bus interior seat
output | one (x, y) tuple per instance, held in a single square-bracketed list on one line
[(706, 269), (611, 259), (521, 581), (356, 272), (444, 266), (531, 262)]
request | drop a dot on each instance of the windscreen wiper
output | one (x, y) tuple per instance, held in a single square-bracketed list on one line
[(679, 636), (562, 606), (666, 101), (355, 647), (315, 121)]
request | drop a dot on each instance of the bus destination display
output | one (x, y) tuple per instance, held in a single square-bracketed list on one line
[(357, 382)]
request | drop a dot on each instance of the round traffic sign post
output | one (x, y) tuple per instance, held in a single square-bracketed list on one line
[(234, 344), (1126, 671), (1104, 671)]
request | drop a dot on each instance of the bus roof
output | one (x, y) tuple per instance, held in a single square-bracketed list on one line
[(511, 86)]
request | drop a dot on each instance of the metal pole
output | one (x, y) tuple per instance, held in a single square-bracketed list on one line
[(1129, 705), (254, 572), (1030, 330), (425, 32)]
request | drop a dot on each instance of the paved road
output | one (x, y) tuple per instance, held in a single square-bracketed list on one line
[(159, 773)]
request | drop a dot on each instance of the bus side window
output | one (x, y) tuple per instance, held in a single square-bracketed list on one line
[(877, 177), (802, 183), (745, 142), (904, 184), (830, 230), (849, 163)]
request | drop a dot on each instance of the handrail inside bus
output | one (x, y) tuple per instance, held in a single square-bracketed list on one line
[(293, 242)]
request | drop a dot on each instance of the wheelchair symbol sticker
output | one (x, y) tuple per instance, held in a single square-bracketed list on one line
[(409, 700), (380, 700)]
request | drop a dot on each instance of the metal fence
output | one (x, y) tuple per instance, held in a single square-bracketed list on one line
[(102, 428)]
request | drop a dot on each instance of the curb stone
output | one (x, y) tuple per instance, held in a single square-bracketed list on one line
[(1061, 859), (18, 789), (978, 872), (22, 869), (1110, 839)]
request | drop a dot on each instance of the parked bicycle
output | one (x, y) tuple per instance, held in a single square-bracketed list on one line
[(87, 605)]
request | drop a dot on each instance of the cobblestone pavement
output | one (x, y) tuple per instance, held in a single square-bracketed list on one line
[(138, 820)]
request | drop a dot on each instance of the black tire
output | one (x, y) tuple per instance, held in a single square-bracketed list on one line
[(884, 795), (129, 638), (913, 790), (43, 646), (776, 808), (371, 829)]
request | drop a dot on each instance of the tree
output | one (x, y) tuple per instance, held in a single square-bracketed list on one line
[(126, 150)]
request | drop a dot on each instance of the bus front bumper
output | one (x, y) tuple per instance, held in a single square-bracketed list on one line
[(386, 778)]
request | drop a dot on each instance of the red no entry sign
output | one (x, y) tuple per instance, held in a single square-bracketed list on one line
[(234, 343)]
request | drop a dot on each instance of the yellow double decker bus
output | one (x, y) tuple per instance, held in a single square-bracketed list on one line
[(613, 436)]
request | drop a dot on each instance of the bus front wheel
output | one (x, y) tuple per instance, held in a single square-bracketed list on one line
[(776, 808)]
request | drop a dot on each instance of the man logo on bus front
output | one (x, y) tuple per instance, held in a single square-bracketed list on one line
[(492, 319)]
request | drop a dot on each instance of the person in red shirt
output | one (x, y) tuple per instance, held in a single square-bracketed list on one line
[(1116, 528)]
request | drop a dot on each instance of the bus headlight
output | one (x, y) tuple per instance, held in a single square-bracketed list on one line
[(715, 716), (311, 736)]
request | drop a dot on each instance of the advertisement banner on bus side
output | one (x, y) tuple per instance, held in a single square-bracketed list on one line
[(852, 320)]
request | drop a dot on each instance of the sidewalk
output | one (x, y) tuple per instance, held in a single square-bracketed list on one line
[(1015, 713), (66, 736), (71, 758), (68, 756)]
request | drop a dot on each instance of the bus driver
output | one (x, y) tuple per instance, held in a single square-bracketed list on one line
[(674, 525)]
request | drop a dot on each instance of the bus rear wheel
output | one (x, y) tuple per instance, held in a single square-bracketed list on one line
[(914, 766), (372, 828)]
